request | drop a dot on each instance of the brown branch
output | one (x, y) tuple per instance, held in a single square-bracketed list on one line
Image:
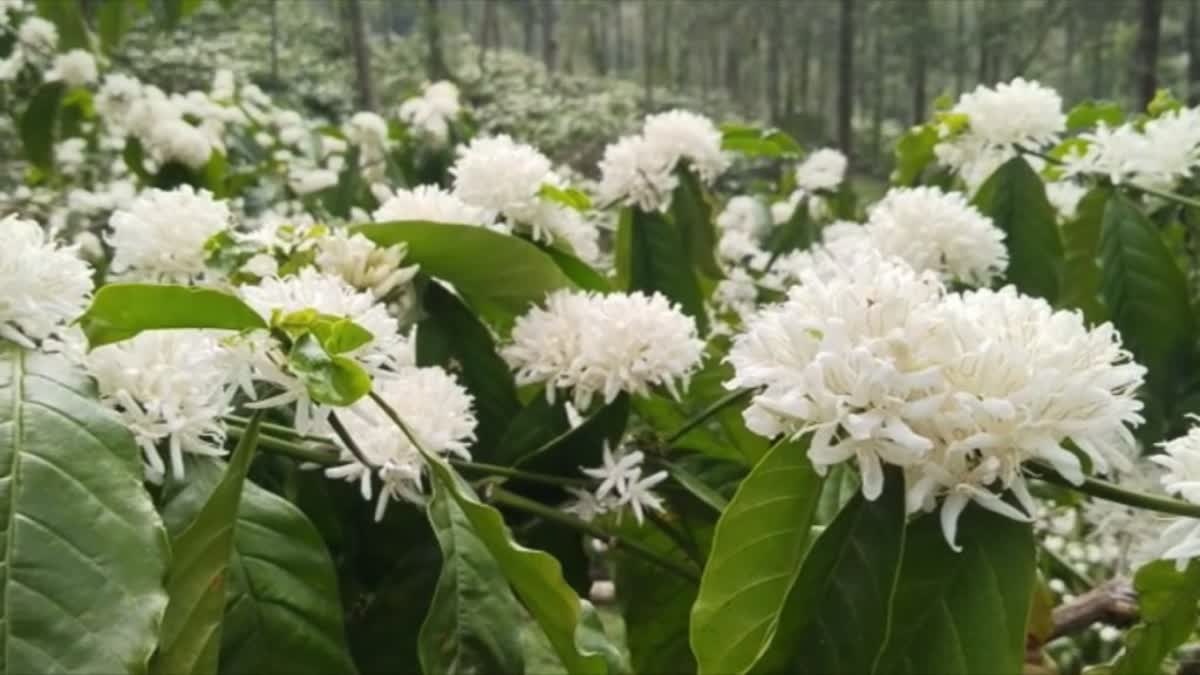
[(1114, 602)]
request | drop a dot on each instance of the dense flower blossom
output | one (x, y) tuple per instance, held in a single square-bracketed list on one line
[(622, 485), (1019, 112), (501, 176), (433, 110), (38, 34), (170, 388), (43, 285), (435, 409), (1158, 155), (881, 366), (362, 264), (822, 170), (161, 235), (76, 68), (603, 345), (304, 182), (432, 203), (743, 213)]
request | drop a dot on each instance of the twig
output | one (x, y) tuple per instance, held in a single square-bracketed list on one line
[(716, 407), (1104, 490), (1114, 602)]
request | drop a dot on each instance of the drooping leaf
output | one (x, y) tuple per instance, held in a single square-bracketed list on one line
[(39, 122), (759, 544), (498, 275), (652, 256), (282, 612), (83, 560), (838, 615), (1167, 601), (121, 311), (191, 632), (571, 624), (1015, 199), (470, 627), (1147, 297), (693, 216), (1081, 256), (450, 336), (962, 612)]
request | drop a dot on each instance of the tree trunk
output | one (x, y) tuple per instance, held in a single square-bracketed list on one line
[(960, 47), (647, 57), (984, 37), (596, 46), (917, 39), (774, 57), (845, 102), (619, 37), (880, 76), (1193, 51), (490, 31), (435, 63), (806, 67), (549, 41), (528, 19), (362, 55), (1068, 64), (1145, 60), (274, 8)]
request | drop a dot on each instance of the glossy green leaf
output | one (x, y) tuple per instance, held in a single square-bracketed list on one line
[(1087, 114), (1147, 297), (191, 632), (568, 197), (499, 275), (759, 544), (471, 626), (962, 613), (1015, 199), (336, 380), (797, 234), (67, 17), (841, 485), (665, 416), (838, 615), (450, 336), (282, 612), (692, 214), (1167, 601), (756, 142), (652, 256), (542, 439), (85, 553), (913, 153), (570, 624), (121, 311), (1081, 257), (39, 122), (580, 273)]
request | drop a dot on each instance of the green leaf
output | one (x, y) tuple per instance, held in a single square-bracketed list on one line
[(121, 311), (1167, 599), (693, 216), (1015, 199), (1081, 255), (841, 485), (541, 437), (755, 142), (838, 614), (84, 553), (914, 152), (656, 606), (571, 624), (282, 610), (1088, 114), (568, 197), (759, 544), (38, 124), (135, 159), (1147, 298), (115, 18), (191, 632), (336, 380), (450, 336), (962, 613), (470, 626), (798, 233), (497, 274), (580, 273), (67, 17), (652, 256)]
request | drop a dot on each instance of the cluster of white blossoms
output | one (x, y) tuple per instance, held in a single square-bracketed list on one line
[(45, 285), (438, 413), (430, 203), (1159, 154), (1016, 114), (640, 170), (432, 111), (36, 41), (824, 169), (362, 264), (74, 68), (1180, 540), (882, 366), (169, 387), (505, 179), (591, 344), (368, 132), (621, 486), (161, 236)]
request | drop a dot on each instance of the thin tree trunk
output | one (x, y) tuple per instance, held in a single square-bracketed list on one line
[(274, 8), (528, 20), (1145, 60), (806, 67), (919, 70), (960, 47), (774, 57), (549, 41), (647, 57), (845, 102), (435, 64), (362, 55), (1068, 64), (1193, 51), (619, 37), (880, 76), (984, 37), (490, 31)]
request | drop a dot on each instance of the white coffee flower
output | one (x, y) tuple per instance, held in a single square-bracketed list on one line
[(632, 174), (306, 182), (367, 130), (1171, 150), (362, 264), (76, 68), (679, 135), (501, 176), (1108, 152), (431, 203), (822, 170), (622, 484), (161, 236), (175, 140), (1181, 459), (435, 410), (42, 285), (1020, 112), (169, 387), (934, 230), (116, 97), (604, 344), (744, 214), (38, 34)]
